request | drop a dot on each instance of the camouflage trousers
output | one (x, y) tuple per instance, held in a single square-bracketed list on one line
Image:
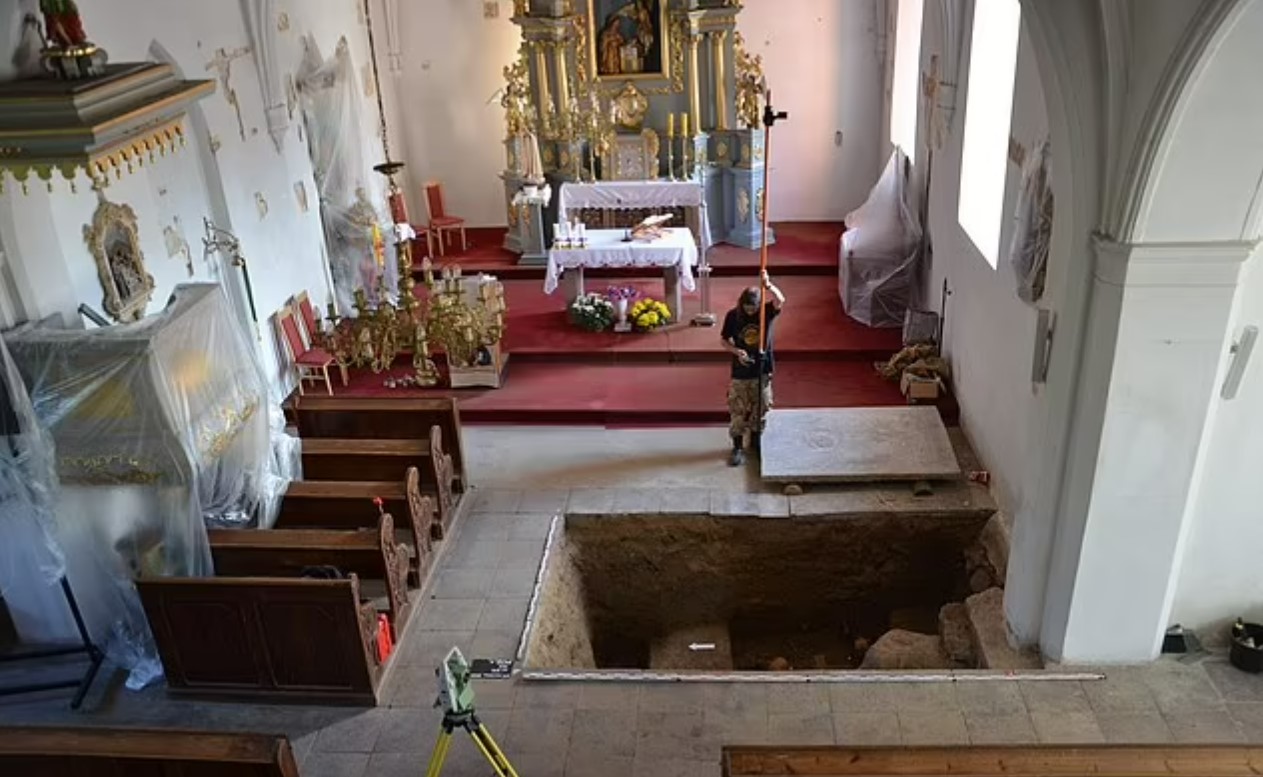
[(743, 405)]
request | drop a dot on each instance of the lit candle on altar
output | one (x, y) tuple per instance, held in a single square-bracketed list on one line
[(670, 125), (684, 125), (427, 270)]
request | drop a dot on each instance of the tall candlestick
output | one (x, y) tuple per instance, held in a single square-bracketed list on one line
[(670, 125), (684, 125)]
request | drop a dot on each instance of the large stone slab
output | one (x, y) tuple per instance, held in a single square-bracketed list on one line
[(857, 445)]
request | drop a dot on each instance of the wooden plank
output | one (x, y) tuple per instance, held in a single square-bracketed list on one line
[(384, 418), (1015, 761), (149, 744), (381, 460), (371, 555), (254, 638)]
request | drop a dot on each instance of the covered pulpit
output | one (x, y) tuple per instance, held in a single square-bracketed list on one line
[(160, 428)]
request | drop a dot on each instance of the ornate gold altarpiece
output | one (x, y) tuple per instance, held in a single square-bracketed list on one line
[(618, 90)]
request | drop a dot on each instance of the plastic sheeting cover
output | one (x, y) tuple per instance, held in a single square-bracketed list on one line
[(28, 486), (161, 427), (877, 266), (1032, 232), (332, 109)]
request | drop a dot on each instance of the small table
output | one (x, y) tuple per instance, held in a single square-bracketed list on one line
[(675, 252), (638, 195)]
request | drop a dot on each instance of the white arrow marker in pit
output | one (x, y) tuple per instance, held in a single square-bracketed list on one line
[(698, 646)]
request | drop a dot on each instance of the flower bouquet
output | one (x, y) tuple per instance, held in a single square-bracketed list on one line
[(649, 314), (621, 297), (592, 312)]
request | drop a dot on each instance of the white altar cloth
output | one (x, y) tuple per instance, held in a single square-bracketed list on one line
[(632, 195), (675, 250)]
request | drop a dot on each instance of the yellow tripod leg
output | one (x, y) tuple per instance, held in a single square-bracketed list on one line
[(492, 752), (440, 754)]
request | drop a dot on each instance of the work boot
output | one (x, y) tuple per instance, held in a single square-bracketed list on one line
[(738, 456)]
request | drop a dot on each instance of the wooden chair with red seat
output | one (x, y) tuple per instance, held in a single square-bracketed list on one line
[(309, 363), (440, 222), (311, 325)]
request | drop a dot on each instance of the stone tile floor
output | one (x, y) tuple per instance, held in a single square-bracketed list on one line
[(477, 600)]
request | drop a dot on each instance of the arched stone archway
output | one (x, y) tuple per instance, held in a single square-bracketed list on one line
[(1097, 555)]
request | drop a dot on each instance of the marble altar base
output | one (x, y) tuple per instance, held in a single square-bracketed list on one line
[(857, 445)]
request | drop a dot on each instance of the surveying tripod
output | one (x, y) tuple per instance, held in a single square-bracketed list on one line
[(456, 697), (481, 736)]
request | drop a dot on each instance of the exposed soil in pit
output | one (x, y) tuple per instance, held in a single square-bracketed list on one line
[(699, 593)]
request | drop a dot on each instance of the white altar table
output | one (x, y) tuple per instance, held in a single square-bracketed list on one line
[(634, 195), (675, 252)]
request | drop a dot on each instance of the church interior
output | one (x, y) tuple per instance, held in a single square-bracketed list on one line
[(630, 387)]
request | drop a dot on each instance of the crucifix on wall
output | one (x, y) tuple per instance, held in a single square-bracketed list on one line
[(221, 65)]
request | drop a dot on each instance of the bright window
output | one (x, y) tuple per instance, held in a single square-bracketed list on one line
[(988, 109), (904, 89)]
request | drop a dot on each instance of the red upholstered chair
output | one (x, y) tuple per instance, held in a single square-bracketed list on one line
[(440, 222), (311, 325), (309, 363), (307, 316), (428, 234)]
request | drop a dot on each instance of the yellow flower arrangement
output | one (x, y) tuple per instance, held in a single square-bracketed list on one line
[(649, 314)]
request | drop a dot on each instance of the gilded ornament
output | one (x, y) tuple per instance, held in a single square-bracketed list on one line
[(630, 107), (751, 84), (516, 98), (721, 150), (745, 154), (114, 240), (743, 204)]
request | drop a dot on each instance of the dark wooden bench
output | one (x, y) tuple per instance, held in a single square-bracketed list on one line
[(331, 458), (348, 504), (386, 418), (1009, 761), (111, 752), (368, 554), (265, 638)]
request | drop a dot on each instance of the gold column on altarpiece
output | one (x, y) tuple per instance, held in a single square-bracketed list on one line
[(720, 76), (695, 79), (563, 86), (541, 75)]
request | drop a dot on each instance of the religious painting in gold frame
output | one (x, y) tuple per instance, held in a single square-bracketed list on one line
[(114, 240), (629, 39)]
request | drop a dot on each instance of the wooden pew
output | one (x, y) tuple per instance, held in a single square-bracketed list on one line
[(348, 504), (109, 752), (329, 458), (370, 555), (265, 638), (1007, 761), (386, 418)]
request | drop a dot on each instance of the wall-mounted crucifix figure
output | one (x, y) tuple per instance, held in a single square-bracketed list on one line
[(221, 65)]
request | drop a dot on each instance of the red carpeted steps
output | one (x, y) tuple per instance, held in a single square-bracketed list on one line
[(801, 248), (678, 375), (628, 394)]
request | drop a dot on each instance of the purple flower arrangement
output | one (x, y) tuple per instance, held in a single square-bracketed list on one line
[(616, 293)]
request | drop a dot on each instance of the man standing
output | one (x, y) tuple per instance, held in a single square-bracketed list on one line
[(740, 337)]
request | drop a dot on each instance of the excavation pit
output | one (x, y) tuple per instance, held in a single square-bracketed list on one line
[(706, 594)]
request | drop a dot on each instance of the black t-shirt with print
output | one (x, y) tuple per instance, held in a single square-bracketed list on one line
[(743, 331)]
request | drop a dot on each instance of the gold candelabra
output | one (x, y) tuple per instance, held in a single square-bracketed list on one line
[(381, 328)]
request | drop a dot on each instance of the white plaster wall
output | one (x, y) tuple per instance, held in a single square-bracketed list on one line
[(1217, 114), (54, 271), (452, 126), (989, 334), (1219, 578), (822, 63)]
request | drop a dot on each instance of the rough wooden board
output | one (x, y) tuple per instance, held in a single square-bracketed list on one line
[(857, 445), (1011, 761)]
